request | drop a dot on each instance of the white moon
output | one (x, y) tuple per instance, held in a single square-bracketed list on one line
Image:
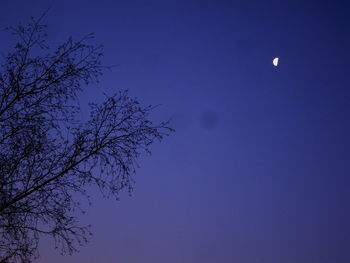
[(275, 61)]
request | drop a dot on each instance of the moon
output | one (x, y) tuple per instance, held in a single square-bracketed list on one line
[(275, 61)]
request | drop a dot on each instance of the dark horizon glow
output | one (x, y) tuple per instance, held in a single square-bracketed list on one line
[(258, 169)]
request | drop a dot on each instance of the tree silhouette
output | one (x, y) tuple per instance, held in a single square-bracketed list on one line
[(47, 154)]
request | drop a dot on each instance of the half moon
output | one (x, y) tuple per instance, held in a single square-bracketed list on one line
[(275, 61)]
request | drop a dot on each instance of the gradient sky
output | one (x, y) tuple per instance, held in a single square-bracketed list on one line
[(258, 169)]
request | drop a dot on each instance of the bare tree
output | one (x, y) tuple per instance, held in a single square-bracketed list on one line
[(47, 154)]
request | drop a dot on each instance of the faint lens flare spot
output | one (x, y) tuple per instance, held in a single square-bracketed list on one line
[(275, 61)]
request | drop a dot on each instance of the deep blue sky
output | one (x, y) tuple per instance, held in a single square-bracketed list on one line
[(258, 169)]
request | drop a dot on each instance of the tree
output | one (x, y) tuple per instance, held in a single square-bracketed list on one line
[(48, 154)]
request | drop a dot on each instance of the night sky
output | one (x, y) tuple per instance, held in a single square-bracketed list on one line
[(258, 168)]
